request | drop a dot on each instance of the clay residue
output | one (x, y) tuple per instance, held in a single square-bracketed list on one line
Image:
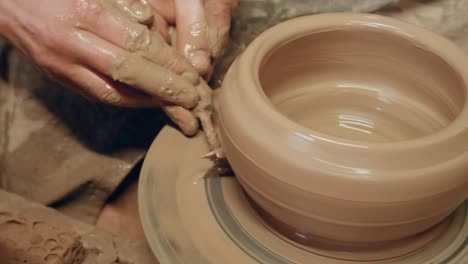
[(154, 79), (204, 112), (36, 242), (140, 10)]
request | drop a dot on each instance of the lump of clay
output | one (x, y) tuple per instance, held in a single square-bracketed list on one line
[(36, 242)]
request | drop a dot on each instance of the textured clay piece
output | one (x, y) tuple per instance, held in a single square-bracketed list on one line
[(349, 128), (36, 242), (100, 246)]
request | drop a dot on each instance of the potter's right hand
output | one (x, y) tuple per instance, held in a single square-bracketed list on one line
[(104, 50)]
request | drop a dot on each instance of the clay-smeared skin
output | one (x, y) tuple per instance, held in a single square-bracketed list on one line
[(139, 10), (35, 242), (80, 42), (202, 28), (204, 112), (117, 51)]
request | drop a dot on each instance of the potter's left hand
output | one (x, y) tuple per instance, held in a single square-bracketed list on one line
[(202, 27)]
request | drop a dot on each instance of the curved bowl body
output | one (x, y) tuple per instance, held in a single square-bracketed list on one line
[(401, 175)]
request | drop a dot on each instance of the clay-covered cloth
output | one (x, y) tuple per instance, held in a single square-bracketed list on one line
[(57, 148)]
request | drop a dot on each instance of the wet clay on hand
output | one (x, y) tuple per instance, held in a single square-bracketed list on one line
[(204, 112), (188, 120), (202, 31), (150, 63), (105, 50), (139, 9), (171, 77), (36, 242), (176, 79)]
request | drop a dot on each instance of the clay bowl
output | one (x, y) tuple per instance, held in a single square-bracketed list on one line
[(349, 129)]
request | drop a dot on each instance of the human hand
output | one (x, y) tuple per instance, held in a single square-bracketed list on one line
[(202, 27), (202, 33), (104, 49)]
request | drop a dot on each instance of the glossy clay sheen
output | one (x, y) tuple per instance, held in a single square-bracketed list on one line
[(362, 84), (349, 128)]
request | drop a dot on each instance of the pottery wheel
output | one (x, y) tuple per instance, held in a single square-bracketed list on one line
[(191, 215)]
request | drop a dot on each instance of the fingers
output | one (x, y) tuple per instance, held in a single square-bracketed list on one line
[(154, 79), (132, 69), (183, 118), (107, 20), (98, 87), (187, 120), (101, 88), (218, 15), (192, 38), (165, 8), (108, 23), (137, 9), (130, 53), (161, 53), (160, 26)]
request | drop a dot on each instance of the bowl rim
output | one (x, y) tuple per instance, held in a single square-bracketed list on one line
[(434, 43)]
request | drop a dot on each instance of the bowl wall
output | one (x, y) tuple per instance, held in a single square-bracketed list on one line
[(362, 84), (349, 127)]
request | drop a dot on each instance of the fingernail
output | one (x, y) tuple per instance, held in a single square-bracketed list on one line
[(142, 12), (111, 97), (186, 123), (201, 61), (190, 129)]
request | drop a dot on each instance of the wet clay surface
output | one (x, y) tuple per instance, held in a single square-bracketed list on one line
[(357, 86), (186, 214), (363, 85), (342, 250)]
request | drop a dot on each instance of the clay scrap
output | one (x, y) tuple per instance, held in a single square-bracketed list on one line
[(25, 240), (32, 233)]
